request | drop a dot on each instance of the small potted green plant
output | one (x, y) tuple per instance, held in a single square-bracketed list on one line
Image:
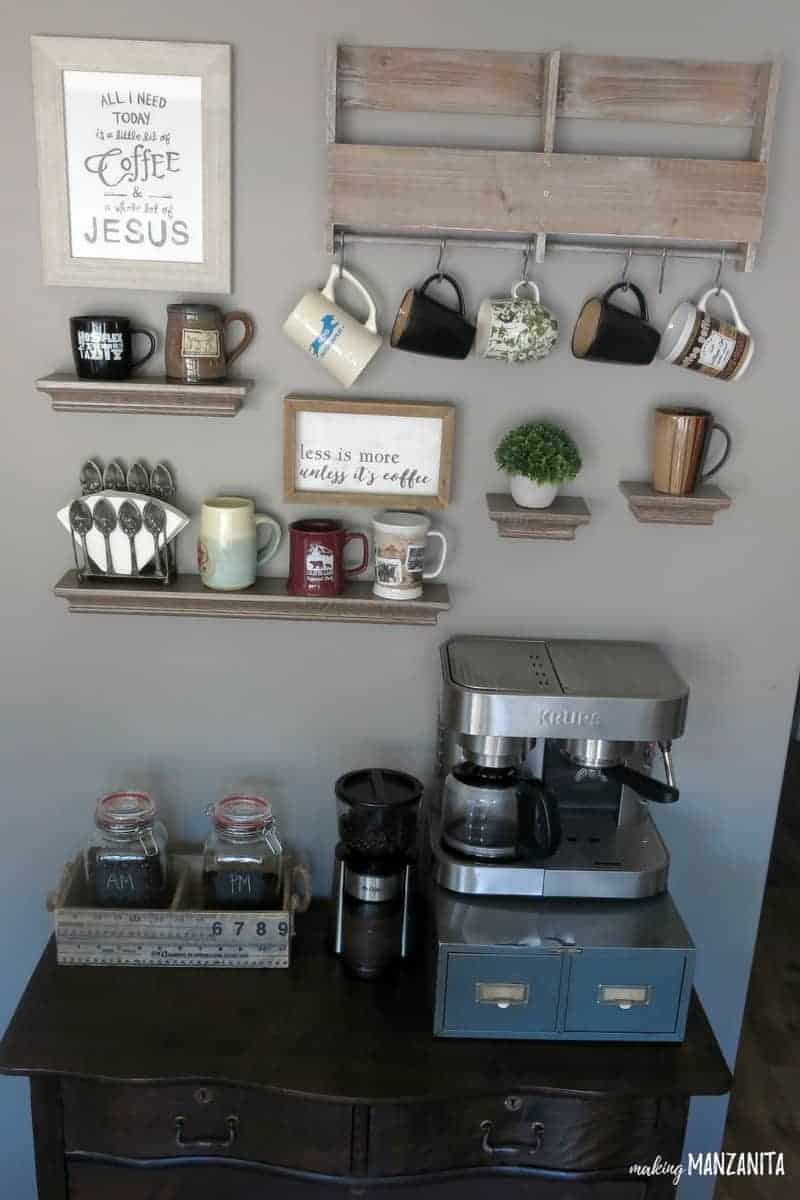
[(538, 457)]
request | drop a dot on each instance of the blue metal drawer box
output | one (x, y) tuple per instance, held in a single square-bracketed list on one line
[(551, 970)]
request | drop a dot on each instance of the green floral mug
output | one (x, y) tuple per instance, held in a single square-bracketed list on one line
[(516, 328)]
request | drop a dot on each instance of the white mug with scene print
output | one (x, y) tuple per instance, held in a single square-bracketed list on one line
[(699, 341), (400, 542)]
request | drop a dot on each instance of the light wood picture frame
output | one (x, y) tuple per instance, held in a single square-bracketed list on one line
[(367, 452), (140, 167)]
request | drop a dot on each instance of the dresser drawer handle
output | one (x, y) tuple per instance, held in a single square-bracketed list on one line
[(206, 1143), (512, 1148)]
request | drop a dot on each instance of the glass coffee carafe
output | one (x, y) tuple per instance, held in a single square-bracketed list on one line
[(495, 813)]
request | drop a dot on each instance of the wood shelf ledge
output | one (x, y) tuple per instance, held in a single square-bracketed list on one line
[(655, 508), (557, 523), (267, 599), (146, 395)]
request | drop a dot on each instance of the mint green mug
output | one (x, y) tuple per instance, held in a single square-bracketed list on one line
[(228, 553)]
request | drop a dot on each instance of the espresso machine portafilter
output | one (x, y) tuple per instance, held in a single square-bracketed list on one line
[(610, 757)]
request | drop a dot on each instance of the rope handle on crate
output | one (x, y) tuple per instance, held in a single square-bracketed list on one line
[(300, 902)]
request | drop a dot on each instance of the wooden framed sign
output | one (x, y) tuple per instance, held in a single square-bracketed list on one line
[(133, 142), (372, 452)]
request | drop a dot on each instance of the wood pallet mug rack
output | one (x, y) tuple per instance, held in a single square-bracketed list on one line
[(542, 194)]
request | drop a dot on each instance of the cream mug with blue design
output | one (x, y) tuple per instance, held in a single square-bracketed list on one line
[(228, 554), (330, 335), (515, 328)]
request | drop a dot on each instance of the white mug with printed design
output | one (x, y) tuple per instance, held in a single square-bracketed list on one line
[(400, 541), (699, 341), (331, 335)]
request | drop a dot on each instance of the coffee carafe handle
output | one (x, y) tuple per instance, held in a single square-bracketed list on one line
[(538, 821)]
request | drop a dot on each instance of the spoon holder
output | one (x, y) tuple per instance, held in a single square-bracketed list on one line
[(161, 568)]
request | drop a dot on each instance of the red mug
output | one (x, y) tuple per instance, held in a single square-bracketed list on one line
[(316, 557)]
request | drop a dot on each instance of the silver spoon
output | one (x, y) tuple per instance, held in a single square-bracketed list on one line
[(130, 522), (138, 478), (155, 520), (114, 477), (91, 478), (80, 522), (105, 519), (161, 482)]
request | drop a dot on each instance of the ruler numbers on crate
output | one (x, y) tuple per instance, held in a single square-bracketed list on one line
[(90, 937)]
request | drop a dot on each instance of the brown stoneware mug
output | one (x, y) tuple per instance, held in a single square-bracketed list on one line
[(195, 350), (681, 441), (316, 557)]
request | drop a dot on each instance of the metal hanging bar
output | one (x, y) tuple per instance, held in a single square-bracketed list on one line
[(554, 245)]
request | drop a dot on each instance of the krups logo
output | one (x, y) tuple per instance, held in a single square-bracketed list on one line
[(548, 717)]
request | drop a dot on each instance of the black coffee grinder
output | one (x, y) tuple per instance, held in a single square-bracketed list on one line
[(373, 879)]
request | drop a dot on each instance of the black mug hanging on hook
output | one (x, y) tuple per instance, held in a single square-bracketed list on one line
[(604, 332), (426, 326)]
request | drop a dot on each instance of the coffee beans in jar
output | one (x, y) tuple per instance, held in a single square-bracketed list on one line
[(126, 857), (243, 856)]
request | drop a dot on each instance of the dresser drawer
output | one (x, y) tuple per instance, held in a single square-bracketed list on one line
[(103, 1181), (143, 1121), (94, 1181), (562, 1133)]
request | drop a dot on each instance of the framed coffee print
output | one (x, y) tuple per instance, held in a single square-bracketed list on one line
[(133, 143), (373, 452)]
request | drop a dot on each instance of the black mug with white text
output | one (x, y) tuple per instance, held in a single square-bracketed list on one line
[(102, 347)]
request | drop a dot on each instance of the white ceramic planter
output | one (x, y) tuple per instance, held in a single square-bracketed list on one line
[(527, 493)]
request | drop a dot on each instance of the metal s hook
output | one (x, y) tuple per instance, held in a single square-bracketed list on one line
[(661, 270), (627, 268), (720, 266), (438, 272), (341, 252), (526, 258)]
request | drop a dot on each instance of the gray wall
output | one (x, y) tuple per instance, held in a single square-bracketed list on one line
[(191, 706)]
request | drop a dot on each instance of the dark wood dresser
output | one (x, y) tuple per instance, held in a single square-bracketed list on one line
[(307, 1084)]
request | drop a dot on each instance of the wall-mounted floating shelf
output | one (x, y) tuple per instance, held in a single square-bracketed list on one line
[(557, 523), (145, 395), (541, 193), (267, 599), (654, 508)]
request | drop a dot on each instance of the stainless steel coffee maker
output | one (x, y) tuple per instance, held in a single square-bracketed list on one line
[(540, 834), (581, 718)]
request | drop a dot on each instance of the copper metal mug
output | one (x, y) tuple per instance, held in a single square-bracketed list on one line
[(681, 441)]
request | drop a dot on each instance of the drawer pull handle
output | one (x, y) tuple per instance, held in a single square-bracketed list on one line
[(206, 1143), (512, 1148)]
